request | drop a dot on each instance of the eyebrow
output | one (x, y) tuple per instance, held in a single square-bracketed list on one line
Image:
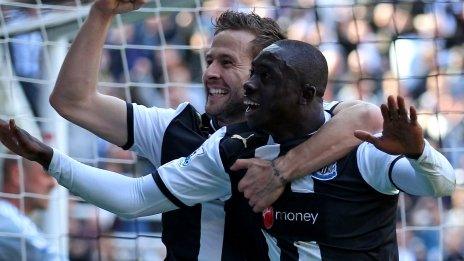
[(267, 64), (220, 56)]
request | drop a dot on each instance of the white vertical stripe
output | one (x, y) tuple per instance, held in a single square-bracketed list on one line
[(303, 185), (268, 152), (273, 248), (212, 230), (308, 250)]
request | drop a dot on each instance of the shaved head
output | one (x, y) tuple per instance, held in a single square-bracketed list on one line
[(305, 60)]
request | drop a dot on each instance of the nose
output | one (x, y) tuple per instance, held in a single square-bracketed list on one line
[(212, 72), (249, 87)]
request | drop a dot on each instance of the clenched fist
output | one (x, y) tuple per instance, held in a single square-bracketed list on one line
[(118, 6)]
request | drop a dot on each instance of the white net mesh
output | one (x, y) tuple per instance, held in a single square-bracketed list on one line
[(154, 56)]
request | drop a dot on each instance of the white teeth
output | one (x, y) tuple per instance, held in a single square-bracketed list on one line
[(250, 103), (217, 91)]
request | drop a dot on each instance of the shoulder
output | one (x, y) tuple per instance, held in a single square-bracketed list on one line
[(142, 109), (329, 106), (11, 219), (240, 141)]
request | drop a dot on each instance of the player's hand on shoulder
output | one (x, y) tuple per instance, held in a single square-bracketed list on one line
[(22, 143), (402, 134), (118, 6)]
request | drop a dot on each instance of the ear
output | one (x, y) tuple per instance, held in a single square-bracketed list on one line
[(308, 93)]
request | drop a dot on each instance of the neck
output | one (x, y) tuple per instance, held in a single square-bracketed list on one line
[(305, 122), (223, 121)]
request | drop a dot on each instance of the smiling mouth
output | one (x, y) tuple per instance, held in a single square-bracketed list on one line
[(217, 92), (251, 105)]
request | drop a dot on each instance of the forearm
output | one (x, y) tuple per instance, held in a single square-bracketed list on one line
[(430, 175), (333, 141), (124, 196), (78, 76)]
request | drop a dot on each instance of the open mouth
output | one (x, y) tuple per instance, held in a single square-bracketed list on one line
[(251, 105), (217, 92)]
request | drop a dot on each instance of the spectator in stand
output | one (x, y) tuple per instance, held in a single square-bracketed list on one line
[(15, 223)]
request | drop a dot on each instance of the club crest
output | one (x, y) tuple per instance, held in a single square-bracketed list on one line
[(188, 159), (326, 173)]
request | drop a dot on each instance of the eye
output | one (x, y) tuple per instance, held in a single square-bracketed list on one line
[(226, 62), (265, 76), (209, 61), (252, 72)]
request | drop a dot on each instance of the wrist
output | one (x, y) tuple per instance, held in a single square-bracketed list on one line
[(286, 168), (277, 173), (105, 15), (416, 155), (45, 156)]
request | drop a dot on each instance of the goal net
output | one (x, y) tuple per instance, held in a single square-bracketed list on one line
[(155, 56)]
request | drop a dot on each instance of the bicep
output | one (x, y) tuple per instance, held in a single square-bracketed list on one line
[(103, 115)]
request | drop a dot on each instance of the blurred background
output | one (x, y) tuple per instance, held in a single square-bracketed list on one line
[(155, 56)]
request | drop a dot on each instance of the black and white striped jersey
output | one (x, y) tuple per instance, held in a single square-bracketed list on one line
[(345, 210), (161, 135)]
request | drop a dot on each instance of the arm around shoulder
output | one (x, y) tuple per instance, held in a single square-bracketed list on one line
[(333, 141)]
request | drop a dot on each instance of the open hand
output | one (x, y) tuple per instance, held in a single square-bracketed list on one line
[(401, 133), (118, 6), (22, 143), (259, 185)]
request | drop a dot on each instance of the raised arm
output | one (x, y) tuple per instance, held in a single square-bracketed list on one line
[(264, 181), (75, 95)]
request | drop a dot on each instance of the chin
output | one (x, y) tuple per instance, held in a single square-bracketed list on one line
[(211, 109), (254, 125)]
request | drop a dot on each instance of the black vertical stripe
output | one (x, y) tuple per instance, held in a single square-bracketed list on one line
[(182, 227), (391, 169), (288, 251), (130, 127), (243, 237)]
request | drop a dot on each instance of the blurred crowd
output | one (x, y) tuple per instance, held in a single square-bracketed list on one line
[(409, 48)]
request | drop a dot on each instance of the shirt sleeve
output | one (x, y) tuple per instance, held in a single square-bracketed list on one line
[(125, 196), (146, 127), (197, 178), (430, 175), (330, 106)]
